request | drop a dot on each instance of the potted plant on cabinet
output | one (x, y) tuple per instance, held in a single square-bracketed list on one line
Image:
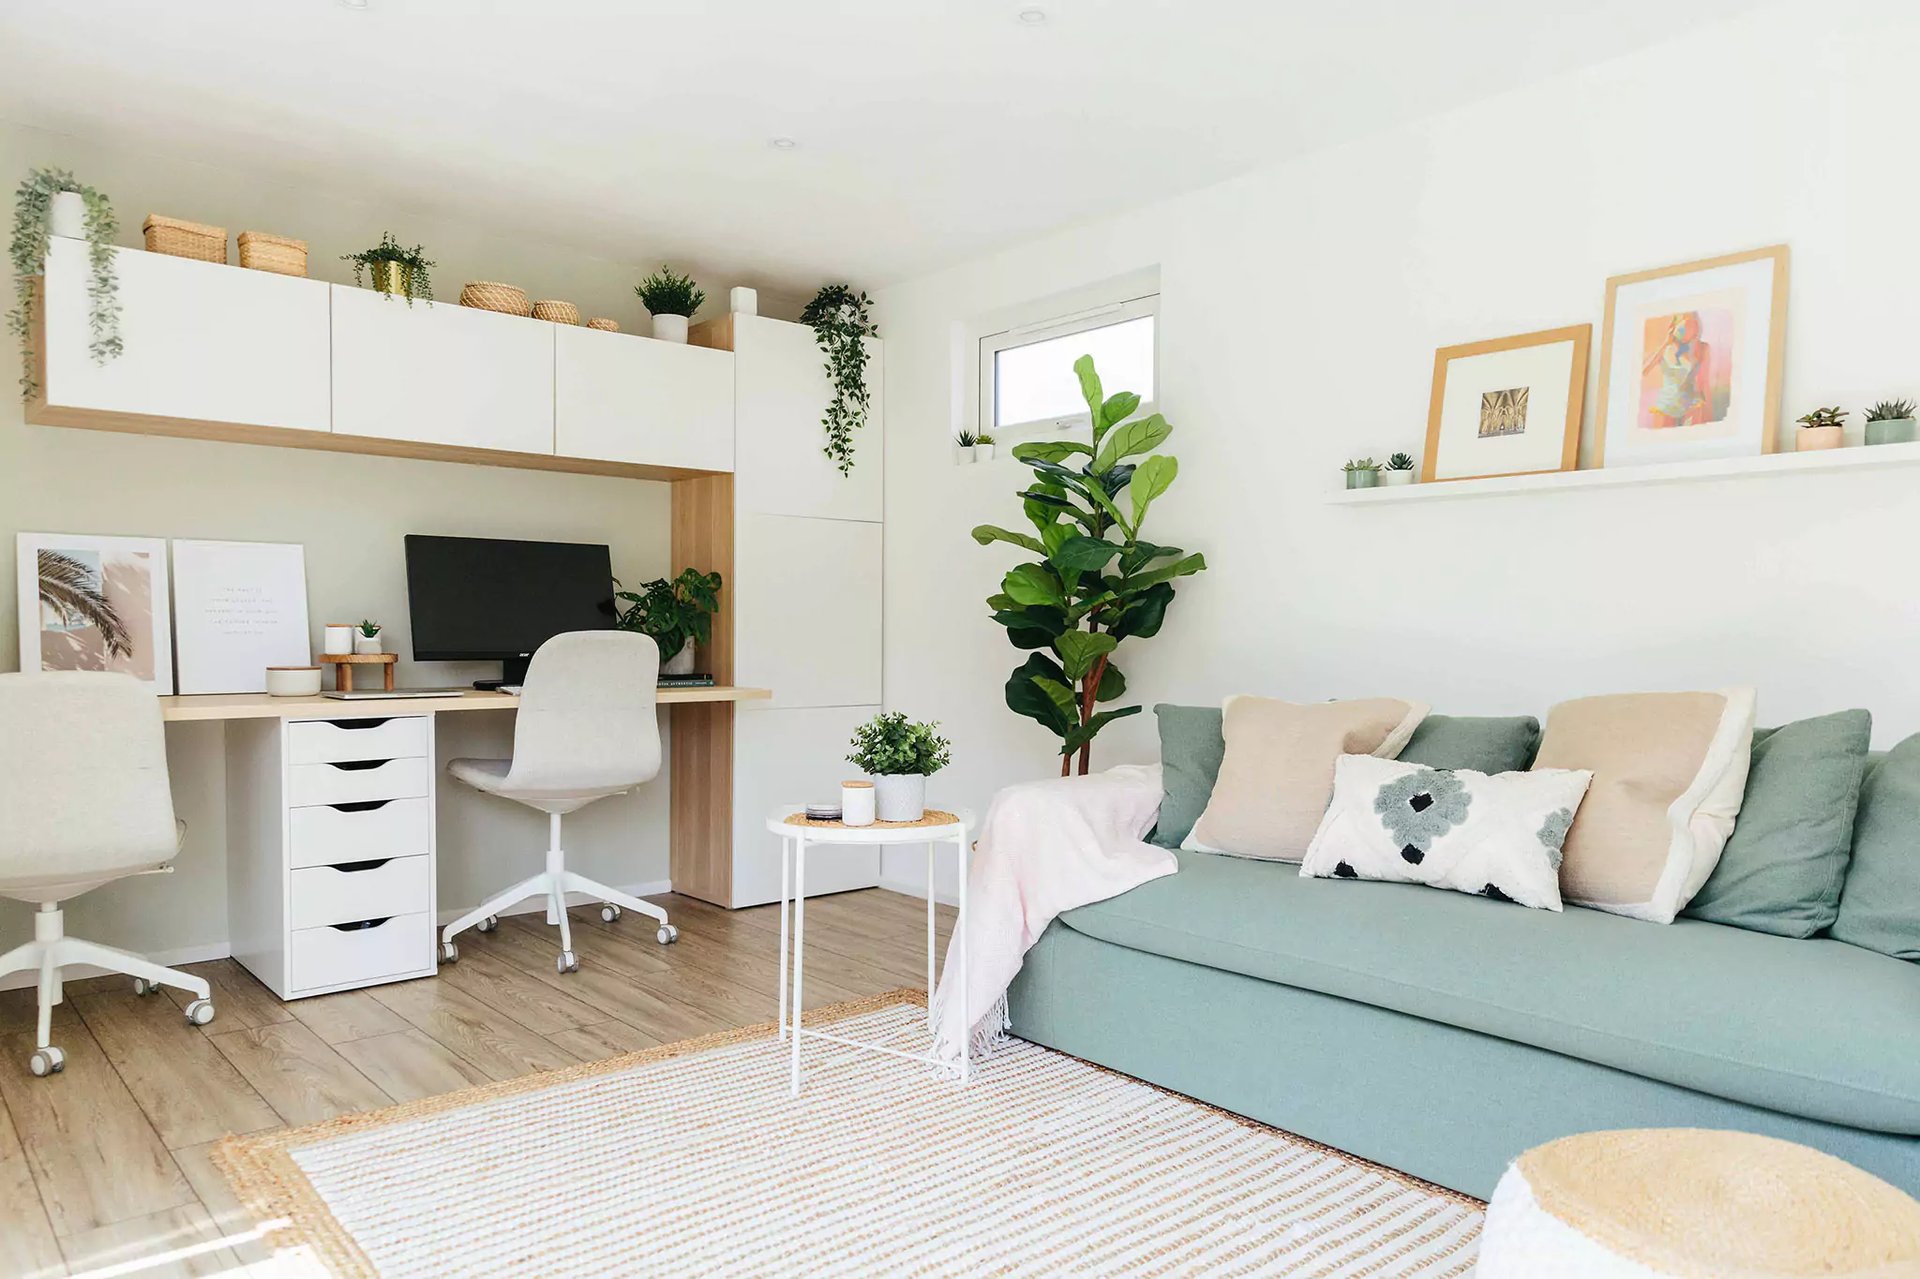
[(1820, 429), (671, 300), (396, 271), (899, 755), (1891, 422), (966, 446), (678, 614), (1399, 470), (1362, 473), (53, 202), (841, 326)]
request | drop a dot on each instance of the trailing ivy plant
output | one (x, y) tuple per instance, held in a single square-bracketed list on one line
[(1096, 581), (32, 215), (664, 293), (395, 269), (838, 317)]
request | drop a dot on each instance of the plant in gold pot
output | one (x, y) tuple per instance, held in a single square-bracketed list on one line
[(1891, 422), (397, 271), (1821, 429)]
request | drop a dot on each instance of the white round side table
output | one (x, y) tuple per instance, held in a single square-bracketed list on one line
[(796, 834)]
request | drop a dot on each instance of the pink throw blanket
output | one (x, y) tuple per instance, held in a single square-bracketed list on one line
[(1045, 847)]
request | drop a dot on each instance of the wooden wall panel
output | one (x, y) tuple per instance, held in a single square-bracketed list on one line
[(701, 807)]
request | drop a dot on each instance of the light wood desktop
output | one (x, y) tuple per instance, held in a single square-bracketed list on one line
[(220, 706)]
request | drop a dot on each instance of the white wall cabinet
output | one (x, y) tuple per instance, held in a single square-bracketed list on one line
[(792, 757), (808, 593), (622, 398), (440, 374), (780, 394), (201, 341)]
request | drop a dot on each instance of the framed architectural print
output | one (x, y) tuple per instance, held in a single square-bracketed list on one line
[(1508, 406), (95, 604), (1690, 359)]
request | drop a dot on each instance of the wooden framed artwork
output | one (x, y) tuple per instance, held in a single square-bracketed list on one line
[(1690, 360), (95, 604), (1507, 406)]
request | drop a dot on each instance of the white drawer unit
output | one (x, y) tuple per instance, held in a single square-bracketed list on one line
[(330, 826)]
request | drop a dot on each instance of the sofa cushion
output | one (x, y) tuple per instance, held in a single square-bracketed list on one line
[(1480, 743), (1191, 747), (1783, 865), (1880, 902), (1814, 1028)]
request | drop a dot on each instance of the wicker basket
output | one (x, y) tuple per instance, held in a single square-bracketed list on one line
[(605, 325), (556, 311), (260, 251), (488, 295), (182, 239)]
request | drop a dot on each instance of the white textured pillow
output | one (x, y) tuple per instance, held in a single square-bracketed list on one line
[(1498, 836)]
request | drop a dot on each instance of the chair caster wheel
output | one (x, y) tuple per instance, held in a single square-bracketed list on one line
[(667, 935), (568, 962), (199, 1012), (143, 987), (488, 924), (47, 1061), (610, 912), (449, 953)]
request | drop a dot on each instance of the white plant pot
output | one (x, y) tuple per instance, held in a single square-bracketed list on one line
[(965, 453), (338, 640), (365, 644), (1394, 479), (983, 452), (68, 215), (743, 301), (670, 328), (680, 663), (900, 797)]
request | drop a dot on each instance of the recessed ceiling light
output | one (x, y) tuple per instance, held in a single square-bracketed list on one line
[(1032, 17), (353, 4), (782, 144)]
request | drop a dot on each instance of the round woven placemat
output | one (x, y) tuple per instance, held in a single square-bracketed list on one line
[(932, 817)]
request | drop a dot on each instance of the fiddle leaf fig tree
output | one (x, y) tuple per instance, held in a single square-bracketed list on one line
[(1095, 580)]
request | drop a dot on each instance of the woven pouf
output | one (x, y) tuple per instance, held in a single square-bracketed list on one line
[(1697, 1204)]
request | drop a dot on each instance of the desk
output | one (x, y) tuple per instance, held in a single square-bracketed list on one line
[(332, 828)]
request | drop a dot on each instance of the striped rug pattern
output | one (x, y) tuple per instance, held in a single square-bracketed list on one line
[(692, 1159)]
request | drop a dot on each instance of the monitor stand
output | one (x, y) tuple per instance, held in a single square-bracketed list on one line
[(513, 671)]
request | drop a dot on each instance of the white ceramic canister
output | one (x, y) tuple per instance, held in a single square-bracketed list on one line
[(856, 803)]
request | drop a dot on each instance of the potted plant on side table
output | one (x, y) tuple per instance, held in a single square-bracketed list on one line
[(1891, 422), (899, 755), (678, 614), (1399, 470), (671, 300), (1362, 473), (1820, 429)]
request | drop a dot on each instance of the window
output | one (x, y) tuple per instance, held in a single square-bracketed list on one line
[(1027, 383)]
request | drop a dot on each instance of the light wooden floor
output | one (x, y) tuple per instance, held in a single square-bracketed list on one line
[(108, 1162)]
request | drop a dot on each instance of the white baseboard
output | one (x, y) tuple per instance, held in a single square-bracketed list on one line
[(913, 888), (220, 950)]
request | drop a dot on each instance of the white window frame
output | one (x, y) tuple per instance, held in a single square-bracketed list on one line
[(1082, 321)]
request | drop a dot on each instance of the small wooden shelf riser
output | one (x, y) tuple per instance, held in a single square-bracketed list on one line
[(343, 664)]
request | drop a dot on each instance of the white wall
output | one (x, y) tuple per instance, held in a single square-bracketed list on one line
[(1301, 308), (349, 511)]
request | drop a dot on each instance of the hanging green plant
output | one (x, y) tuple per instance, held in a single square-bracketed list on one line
[(838, 317), (396, 270), (32, 228)]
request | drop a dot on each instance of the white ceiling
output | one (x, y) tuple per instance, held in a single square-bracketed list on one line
[(928, 130)]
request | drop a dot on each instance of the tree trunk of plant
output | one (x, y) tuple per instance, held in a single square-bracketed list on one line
[(1089, 691)]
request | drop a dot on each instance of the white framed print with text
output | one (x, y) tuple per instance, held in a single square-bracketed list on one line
[(1507, 406), (239, 607), (92, 603), (1690, 360)]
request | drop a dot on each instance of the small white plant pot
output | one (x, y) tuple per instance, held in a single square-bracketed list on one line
[(1394, 479), (337, 640), (67, 215), (964, 454), (900, 797), (680, 663), (670, 328), (365, 644), (983, 452), (743, 301)]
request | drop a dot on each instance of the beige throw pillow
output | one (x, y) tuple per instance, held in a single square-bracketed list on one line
[(1277, 774), (1669, 772)]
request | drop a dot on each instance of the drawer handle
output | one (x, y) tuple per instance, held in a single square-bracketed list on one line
[(354, 868), (361, 805), (361, 926), (357, 765), (348, 725)]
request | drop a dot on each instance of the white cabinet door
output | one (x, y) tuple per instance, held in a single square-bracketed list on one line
[(780, 394), (622, 398), (441, 373), (807, 595), (792, 757), (202, 341)]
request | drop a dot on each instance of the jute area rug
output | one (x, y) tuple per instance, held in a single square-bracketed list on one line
[(692, 1160)]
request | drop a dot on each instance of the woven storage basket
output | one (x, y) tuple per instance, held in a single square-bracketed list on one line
[(558, 312), (260, 251), (182, 239), (605, 325), (488, 295)]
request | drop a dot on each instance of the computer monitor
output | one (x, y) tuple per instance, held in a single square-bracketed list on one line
[(492, 599)]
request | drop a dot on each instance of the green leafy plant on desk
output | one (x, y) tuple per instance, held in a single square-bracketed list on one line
[(678, 614)]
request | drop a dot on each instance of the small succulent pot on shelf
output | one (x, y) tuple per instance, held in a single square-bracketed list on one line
[(396, 271), (1821, 429), (671, 300), (983, 448), (899, 755), (1892, 422), (1398, 470), (366, 637), (1362, 473), (966, 446)]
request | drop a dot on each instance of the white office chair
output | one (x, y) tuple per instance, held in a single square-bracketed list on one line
[(587, 729), (83, 802)]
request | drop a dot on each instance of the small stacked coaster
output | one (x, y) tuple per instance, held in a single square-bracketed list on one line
[(932, 817)]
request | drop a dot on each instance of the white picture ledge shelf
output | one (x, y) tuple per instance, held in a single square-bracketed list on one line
[(1768, 464)]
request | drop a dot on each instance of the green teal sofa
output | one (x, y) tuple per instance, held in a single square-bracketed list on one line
[(1442, 1034)]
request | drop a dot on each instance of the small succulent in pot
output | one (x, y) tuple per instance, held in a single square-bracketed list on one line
[(1362, 473), (966, 444), (1398, 470), (983, 448), (396, 270), (366, 636), (1891, 422), (1820, 429)]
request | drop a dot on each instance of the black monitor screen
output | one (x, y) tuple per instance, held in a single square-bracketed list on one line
[(485, 599)]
